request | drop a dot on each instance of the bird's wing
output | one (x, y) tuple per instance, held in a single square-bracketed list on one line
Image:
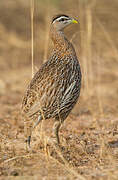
[(69, 96), (34, 109), (41, 91)]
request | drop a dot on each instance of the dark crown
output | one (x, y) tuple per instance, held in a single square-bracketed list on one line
[(58, 16)]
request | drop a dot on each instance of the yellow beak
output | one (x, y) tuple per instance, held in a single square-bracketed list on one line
[(74, 21)]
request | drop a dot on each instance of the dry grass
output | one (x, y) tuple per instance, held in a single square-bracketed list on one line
[(89, 137)]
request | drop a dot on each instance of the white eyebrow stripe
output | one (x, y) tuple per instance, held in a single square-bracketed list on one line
[(61, 17)]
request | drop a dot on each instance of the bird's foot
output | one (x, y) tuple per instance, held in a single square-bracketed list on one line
[(53, 141), (28, 141)]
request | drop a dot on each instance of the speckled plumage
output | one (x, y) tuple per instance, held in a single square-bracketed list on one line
[(55, 88)]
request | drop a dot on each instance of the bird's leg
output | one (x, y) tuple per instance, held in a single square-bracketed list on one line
[(28, 132), (56, 127), (29, 129), (38, 121), (28, 140)]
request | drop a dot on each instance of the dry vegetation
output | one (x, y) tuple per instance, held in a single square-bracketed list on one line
[(89, 137)]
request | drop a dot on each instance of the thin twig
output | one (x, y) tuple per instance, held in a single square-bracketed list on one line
[(32, 35), (46, 33), (89, 43), (66, 164)]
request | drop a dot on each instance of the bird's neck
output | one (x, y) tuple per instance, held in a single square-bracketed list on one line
[(61, 43)]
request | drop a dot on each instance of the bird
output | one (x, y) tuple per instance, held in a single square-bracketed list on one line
[(55, 88)]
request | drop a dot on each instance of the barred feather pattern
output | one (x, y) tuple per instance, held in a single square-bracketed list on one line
[(55, 88)]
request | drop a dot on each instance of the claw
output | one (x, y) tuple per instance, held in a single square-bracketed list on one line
[(28, 142)]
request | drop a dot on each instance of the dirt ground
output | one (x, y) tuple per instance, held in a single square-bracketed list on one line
[(89, 136)]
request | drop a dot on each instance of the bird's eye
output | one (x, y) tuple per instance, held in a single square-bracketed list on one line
[(62, 19)]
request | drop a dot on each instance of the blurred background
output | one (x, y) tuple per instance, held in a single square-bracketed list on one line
[(95, 40)]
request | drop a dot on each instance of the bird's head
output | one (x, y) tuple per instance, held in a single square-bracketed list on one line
[(61, 21)]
